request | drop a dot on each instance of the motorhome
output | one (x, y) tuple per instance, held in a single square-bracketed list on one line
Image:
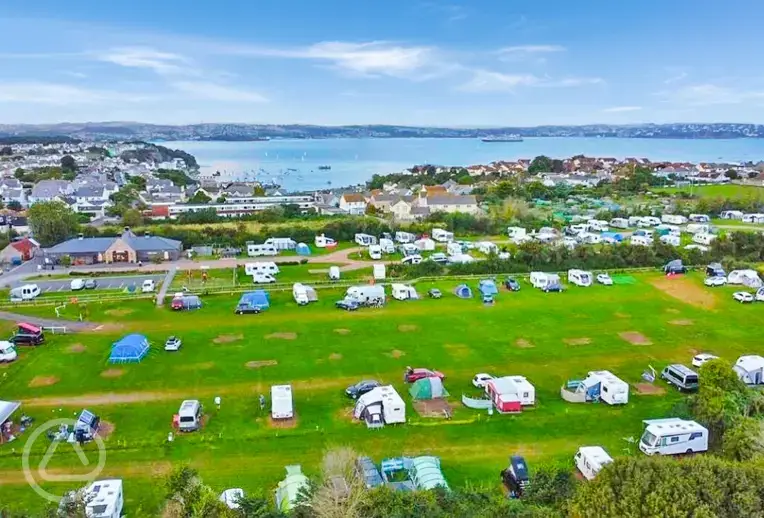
[(334, 273), (103, 499), (674, 219), (487, 248), (281, 402), (598, 225), (634, 221), (580, 278), (635, 240), (700, 218), (321, 241), (303, 295), (281, 243), (543, 280), (25, 292), (380, 406), (587, 238), (671, 240), (261, 267), (619, 223), (403, 292), (365, 239), (387, 245), (589, 460), (442, 236), (698, 228), (375, 252), (731, 214), (264, 249), (379, 272), (673, 436), (454, 248), (7, 351), (190, 415), (404, 237), (413, 259), (409, 249), (366, 293), (703, 239), (753, 218)]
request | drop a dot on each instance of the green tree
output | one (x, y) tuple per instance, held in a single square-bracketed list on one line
[(68, 163), (540, 164), (52, 222), (132, 218), (732, 174), (199, 197), (138, 181), (15, 205), (258, 191), (743, 441)]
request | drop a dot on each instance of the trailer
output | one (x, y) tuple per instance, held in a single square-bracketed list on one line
[(25, 292), (380, 406), (366, 294), (580, 278), (454, 248), (442, 236), (281, 402), (375, 252), (403, 292), (703, 239), (365, 239), (673, 436), (264, 249), (404, 237)]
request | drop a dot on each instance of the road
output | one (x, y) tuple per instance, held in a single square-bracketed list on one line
[(104, 283)]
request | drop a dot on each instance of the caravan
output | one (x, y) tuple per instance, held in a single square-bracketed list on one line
[(379, 272), (368, 293), (673, 219), (544, 281), (281, 243), (375, 252), (254, 250), (636, 240), (442, 236), (322, 241), (671, 240), (365, 239), (590, 460), (380, 406), (580, 278), (731, 214), (404, 237), (387, 245), (303, 295), (25, 292), (703, 239), (518, 235), (673, 436), (403, 292), (264, 267), (612, 389), (700, 218), (619, 223), (698, 228), (486, 247), (281, 402), (587, 238), (597, 225), (454, 248), (753, 218)]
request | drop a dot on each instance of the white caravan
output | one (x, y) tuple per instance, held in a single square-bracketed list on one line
[(542, 280), (619, 223), (281, 243), (640, 241), (375, 252), (403, 292), (580, 278), (547, 234), (698, 228), (366, 293), (379, 272), (425, 244), (674, 230), (670, 239), (103, 499), (750, 369), (731, 214), (700, 218), (649, 221), (453, 248), (254, 250), (334, 273), (281, 402), (442, 236), (409, 249), (380, 406), (365, 239), (753, 218), (25, 292), (487, 247), (598, 225), (749, 278), (635, 221), (587, 238), (613, 390), (412, 259), (303, 295), (673, 436), (261, 267), (460, 259), (387, 245), (674, 219), (590, 460), (404, 237), (515, 232), (703, 239), (322, 241)]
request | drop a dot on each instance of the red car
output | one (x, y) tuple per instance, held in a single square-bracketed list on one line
[(413, 375)]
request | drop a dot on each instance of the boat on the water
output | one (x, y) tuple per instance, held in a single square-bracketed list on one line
[(324, 167), (503, 138)]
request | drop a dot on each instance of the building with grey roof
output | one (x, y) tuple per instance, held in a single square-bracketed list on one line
[(125, 248)]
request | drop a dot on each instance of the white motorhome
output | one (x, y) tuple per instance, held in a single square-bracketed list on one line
[(379, 272), (264, 249), (613, 390), (425, 244), (375, 252), (640, 241), (698, 228), (542, 280), (487, 247), (619, 223), (453, 248), (703, 239), (380, 406), (749, 278), (753, 218), (590, 460), (404, 237), (403, 292), (598, 225), (674, 219), (673, 436), (731, 214), (281, 243), (634, 221), (365, 239), (281, 402), (442, 236), (334, 273), (303, 295), (321, 241), (750, 369), (103, 499), (261, 267), (190, 415), (580, 278), (670, 239), (587, 238), (25, 292), (409, 249), (366, 293), (387, 245), (7, 352), (700, 218)]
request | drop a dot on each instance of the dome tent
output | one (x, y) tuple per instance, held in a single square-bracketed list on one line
[(302, 249), (463, 291), (428, 388), (129, 349)]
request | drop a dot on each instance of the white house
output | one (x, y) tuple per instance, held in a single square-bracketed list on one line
[(353, 203), (47, 190)]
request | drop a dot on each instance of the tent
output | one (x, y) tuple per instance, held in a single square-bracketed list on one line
[(487, 287), (426, 474), (428, 388), (129, 349), (463, 291), (302, 249), (290, 487)]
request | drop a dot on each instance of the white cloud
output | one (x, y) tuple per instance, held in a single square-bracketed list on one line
[(218, 92), (675, 78), (164, 63), (710, 94), (490, 81), (622, 109), (61, 94), (531, 49), (575, 81)]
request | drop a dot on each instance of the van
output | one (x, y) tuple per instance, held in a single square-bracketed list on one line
[(683, 378), (148, 286), (334, 273), (190, 416), (375, 252), (77, 284), (7, 352), (263, 278), (589, 460)]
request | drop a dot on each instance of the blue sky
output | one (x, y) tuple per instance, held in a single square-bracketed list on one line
[(459, 63)]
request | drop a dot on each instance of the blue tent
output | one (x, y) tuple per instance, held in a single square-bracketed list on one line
[(463, 291), (255, 299), (131, 348), (302, 249), (487, 287), (615, 235)]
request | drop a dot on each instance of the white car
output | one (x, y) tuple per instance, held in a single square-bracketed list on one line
[(714, 281), (605, 279), (7, 352), (148, 286), (743, 297), (481, 379), (77, 284), (503, 256), (263, 278), (700, 359)]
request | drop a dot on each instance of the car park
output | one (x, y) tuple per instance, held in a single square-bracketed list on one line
[(604, 278), (715, 281), (743, 297), (434, 293), (361, 388), (699, 359), (413, 375), (481, 379), (173, 344), (511, 284)]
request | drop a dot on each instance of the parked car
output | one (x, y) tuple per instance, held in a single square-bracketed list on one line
[(173, 344), (7, 352), (413, 375), (25, 338), (434, 293), (346, 304), (481, 379), (699, 359), (488, 299), (361, 388), (91, 284), (511, 284), (554, 286), (77, 284), (743, 297), (604, 278), (148, 286), (715, 281)]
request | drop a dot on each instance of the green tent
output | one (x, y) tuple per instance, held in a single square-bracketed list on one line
[(428, 388)]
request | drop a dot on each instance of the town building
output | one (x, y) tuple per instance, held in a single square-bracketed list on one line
[(125, 248)]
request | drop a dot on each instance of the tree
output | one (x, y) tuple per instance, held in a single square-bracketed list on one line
[(132, 218), (68, 163), (540, 164), (743, 441), (199, 197), (732, 174), (258, 191), (52, 222), (6, 151), (138, 181)]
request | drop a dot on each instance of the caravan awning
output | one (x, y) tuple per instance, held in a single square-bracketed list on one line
[(7, 408)]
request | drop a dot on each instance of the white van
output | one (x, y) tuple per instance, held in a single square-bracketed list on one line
[(25, 292), (261, 267), (375, 252), (7, 352), (703, 239), (281, 402), (673, 436), (77, 284), (190, 415), (619, 223), (263, 278), (590, 460), (265, 249), (442, 236), (334, 273), (148, 286)]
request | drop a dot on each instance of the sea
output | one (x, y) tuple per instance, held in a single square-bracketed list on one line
[(295, 164)]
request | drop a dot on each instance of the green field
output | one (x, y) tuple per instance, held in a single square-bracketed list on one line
[(719, 191), (549, 338)]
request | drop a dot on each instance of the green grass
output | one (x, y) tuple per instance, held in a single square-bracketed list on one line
[(719, 191), (459, 337)]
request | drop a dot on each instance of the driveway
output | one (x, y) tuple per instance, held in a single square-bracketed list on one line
[(104, 283)]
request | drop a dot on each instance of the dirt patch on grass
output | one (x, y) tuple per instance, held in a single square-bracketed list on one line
[(260, 363), (578, 341), (395, 353), (682, 322), (335, 356), (672, 310), (108, 328), (283, 423), (622, 315), (196, 366), (684, 290), (227, 339), (458, 351), (118, 312), (42, 381), (523, 343), (437, 408), (342, 331), (105, 429), (648, 389), (635, 338), (282, 336), (112, 373), (407, 328), (76, 349)]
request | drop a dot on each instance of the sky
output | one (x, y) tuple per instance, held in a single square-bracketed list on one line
[(410, 62)]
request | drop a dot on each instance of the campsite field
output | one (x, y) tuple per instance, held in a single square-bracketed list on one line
[(549, 338), (719, 191)]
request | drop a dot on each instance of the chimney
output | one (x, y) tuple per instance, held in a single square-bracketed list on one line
[(80, 236)]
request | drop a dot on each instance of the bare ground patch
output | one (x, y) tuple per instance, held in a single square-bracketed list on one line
[(395, 353), (76, 349), (282, 336), (342, 331), (458, 351), (283, 423), (112, 373), (682, 322), (578, 341), (260, 363), (407, 328), (335, 356), (105, 429), (672, 310), (122, 312), (42, 381), (635, 338), (108, 328), (622, 315), (523, 343), (438, 408), (195, 366), (648, 389), (684, 290), (227, 339)]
